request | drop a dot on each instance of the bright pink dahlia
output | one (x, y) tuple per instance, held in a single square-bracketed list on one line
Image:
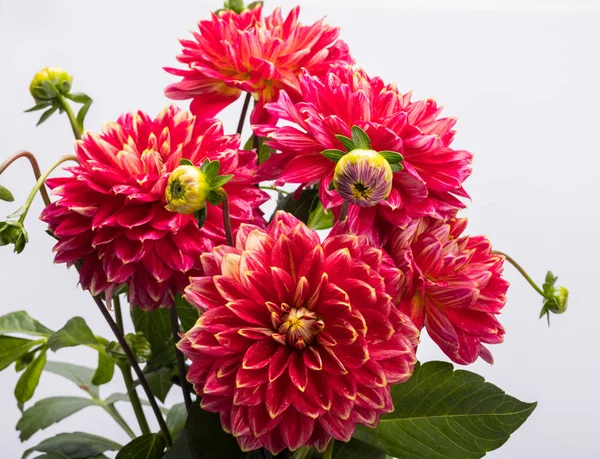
[(111, 209), (234, 52), (433, 172), (454, 286), (299, 340)]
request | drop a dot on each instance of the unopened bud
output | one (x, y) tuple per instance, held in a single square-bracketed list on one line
[(48, 83), (187, 190), (13, 232)]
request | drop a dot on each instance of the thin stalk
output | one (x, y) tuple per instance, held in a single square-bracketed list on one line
[(344, 211), (136, 368), (128, 379), (522, 271), (119, 420), (300, 453), (272, 188), (328, 454), (180, 358), (242, 120), (34, 165), (227, 220), (40, 183), (77, 130)]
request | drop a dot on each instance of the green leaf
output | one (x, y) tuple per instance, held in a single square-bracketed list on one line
[(6, 195), (334, 155), (160, 383), (138, 344), (392, 157), (443, 413), (215, 198), (17, 213), (105, 369), (58, 456), (155, 326), (78, 97), (74, 333), (30, 378), (150, 446), (176, 419), (264, 150), (301, 207), (355, 449), (22, 322), (75, 445), (49, 411), (396, 167), (212, 170), (119, 397), (23, 361), (249, 143), (47, 114), (82, 376), (188, 314), (185, 162), (220, 180), (83, 112), (205, 437), (319, 218), (346, 142), (200, 215), (360, 138), (12, 349)]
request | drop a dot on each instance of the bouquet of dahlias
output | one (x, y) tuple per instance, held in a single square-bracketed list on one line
[(282, 342)]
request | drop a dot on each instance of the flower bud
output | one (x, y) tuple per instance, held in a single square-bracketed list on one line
[(187, 190), (557, 303), (12, 232), (48, 83), (363, 177)]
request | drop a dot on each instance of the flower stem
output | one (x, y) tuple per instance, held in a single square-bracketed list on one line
[(242, 120), (34, 165), (272, 188), (227, 219), (300, 453), (136, 368), (40, 183), (521, 270), (180, 358), (344, 211), (77, 130), (328, 454), (126, 371)]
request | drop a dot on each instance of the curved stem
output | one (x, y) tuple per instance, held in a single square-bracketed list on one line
[(128, 379), (180, 358), (34, 165), (344, 211), (521, 270), (227, 220), (242, 120), (272, 188), (119, 420), (136, 368), (40, 183), (77, 130)]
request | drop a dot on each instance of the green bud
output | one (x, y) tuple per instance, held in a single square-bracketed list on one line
[(13, 232), (49, 83), (555, 298)]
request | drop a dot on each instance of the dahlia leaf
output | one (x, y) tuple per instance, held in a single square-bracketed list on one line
[(319, 218), (334, 155), (74, 333), (6, 195), (12, 349), (360, 138), (301, 206), (201, 214), (22, 322), (138, 344), (346, 141), (445, 413), (83, 112), (75, 445), (82, 376), (155, 326), (392, 157), (176, 419), (105, 369), (188, 314), (47, 114), (22, 362), (30, 378), (49, 411), (161, 382), (355, 449), (185, 162), (150, 446)]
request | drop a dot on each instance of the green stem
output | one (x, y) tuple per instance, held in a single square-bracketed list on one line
[(34, 165), (272, 188), (187, 398), (227, 219), (40, 183), (240, 127), (522, 271), (128, 378), (301, 453), (328, 454), (119, 420), (77, 130)]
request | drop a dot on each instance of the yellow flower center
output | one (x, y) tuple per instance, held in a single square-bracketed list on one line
[(300, 327)]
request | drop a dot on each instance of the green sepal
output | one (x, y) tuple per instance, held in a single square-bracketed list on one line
[(253, 5), (219, 181), (360, 138), (331, 186), (212, 170), (235, 5), (392, 157), (6, 195), (334, 155), (201, 216), (215, 198), (36, 107), (185, 162), (346, 141), (50, 90), (47, 114), (396, 167), (79, 97)]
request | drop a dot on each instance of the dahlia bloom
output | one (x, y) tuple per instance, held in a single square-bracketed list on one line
[(111, 209), (235, 52), (454, 286), (429, 184), (299, 340)]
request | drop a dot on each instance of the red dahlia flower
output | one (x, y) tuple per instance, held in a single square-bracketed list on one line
[(299, 340), (454, 286), (234, 52), (433, 172), (111, 208)]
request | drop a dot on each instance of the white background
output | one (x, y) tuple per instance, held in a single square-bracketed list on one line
[(523, 79)]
